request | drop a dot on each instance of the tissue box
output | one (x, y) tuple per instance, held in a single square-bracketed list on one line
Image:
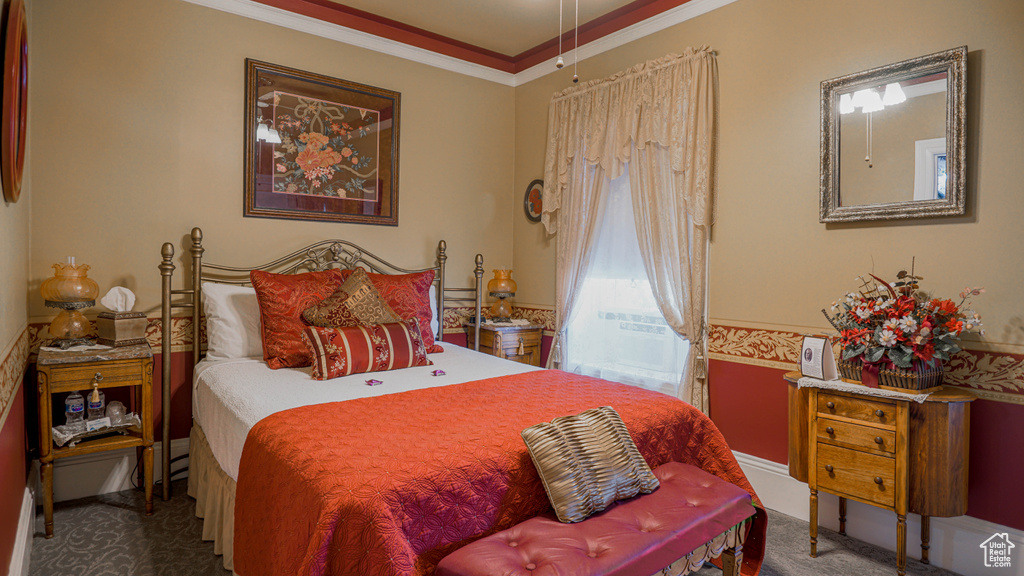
[(121, 328)]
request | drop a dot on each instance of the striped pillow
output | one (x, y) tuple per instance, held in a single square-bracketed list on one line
[(349, 350), (587, 462)]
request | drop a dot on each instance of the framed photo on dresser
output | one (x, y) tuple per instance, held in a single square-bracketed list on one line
[(319, 148), (817, 359)]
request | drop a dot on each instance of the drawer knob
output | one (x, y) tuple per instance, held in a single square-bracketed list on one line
[(828, 468), (878, 480), (831, 405), (829, 430), (98, 377), (879, 413), (879, 441)]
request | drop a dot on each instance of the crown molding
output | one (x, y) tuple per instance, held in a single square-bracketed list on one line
[(284, 18), (317, 27)]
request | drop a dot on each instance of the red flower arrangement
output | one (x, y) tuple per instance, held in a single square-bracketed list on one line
[(900, 323)]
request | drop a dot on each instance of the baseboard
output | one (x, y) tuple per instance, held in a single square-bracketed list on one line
[(23, 539), (955, 542), (104, 472)]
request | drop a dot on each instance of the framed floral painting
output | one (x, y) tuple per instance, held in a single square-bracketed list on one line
[(319, 148)]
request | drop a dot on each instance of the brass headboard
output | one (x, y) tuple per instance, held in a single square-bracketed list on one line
[(315, 257)]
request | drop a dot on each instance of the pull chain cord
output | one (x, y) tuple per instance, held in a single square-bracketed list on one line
[(559, 63), (576, 44), (867, 132)]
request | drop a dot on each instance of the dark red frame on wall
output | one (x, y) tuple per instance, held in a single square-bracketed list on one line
[(15, 105)]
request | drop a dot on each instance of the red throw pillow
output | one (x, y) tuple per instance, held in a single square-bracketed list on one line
[(409, 296), (282, 298), (349, 350)]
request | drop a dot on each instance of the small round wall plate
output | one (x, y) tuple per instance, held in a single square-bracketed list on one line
[(533, 201), (15, 103)]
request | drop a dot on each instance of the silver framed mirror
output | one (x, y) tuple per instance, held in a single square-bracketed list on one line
[(893, 141)]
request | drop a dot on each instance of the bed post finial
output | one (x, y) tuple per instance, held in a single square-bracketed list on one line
[(442, 258), (479, 273)]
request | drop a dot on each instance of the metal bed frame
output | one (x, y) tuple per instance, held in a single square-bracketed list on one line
[(315, 257)]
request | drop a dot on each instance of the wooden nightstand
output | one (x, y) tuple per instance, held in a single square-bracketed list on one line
[(67, 371), (902, 455), (516, 343)]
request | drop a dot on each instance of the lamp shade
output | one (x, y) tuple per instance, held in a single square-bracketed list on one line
[(846, 104), (502, 285), (860, 98), (873, 102), (893, 94), (70, 290), (69, 283)]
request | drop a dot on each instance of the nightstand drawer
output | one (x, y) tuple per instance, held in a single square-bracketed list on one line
[(876, 412), (857, 436), (79, 376), (860, 475)]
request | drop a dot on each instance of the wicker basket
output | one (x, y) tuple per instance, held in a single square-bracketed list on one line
[(850, 370), (922, 378)]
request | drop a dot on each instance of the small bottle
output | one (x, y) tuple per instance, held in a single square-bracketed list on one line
[(97, 404), (74, 411)]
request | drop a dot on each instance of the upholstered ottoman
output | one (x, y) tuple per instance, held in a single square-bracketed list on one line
[(692, 517)]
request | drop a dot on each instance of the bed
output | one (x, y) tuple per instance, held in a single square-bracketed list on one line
[(298, 476)]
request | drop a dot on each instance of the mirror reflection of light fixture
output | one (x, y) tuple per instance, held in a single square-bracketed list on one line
[(267, 134), (846, 104), (893, 94), (872, 102), (860, 98)]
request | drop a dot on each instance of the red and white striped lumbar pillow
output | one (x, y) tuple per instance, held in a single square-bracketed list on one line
[(373, 348)]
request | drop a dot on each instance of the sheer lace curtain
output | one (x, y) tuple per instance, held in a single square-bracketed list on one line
[(656, 120)]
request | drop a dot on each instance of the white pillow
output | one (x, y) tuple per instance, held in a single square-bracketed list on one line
[(232, 322), (433, 309)]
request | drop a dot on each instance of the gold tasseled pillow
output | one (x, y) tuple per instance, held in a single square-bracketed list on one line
[(356, 302), (587, 462)]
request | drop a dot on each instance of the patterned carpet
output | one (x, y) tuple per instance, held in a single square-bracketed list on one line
[(109, 536)]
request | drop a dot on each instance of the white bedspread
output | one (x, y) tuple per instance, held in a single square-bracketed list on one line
[(230, 396)]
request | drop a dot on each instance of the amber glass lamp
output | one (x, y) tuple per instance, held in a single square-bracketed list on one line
[(502, 287), (70, 290)]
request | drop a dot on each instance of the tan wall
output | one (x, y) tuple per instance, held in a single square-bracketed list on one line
[(772, 262), (138, 114), (894, 131)]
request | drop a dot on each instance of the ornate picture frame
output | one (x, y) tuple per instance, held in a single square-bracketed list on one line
[(319, 148), (15, 102), (533, 200)]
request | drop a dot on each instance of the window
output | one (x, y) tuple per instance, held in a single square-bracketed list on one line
[(616, 331)]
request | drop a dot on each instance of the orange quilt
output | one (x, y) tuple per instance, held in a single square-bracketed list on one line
[(391, 484)]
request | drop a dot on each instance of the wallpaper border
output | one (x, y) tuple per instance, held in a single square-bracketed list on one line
[(12, 373), (991, 375)]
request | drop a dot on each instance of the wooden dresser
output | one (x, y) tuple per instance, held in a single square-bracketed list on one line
[(900, 455)]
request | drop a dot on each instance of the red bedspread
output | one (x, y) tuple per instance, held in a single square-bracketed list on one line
[(389, 485)]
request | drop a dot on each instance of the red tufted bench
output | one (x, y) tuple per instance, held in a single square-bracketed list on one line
[(693, 516)]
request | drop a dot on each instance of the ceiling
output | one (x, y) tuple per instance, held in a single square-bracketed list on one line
[(508, 36), (508, 27)]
